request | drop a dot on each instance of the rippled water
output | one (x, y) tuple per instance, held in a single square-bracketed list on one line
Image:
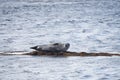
[(59, 68), (88, 25)]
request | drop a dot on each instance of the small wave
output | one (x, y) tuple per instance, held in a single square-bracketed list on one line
[(14, 52)]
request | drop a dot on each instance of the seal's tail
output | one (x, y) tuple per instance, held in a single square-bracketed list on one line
[(35, 47)]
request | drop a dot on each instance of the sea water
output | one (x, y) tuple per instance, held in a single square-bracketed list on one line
[(88, 25)]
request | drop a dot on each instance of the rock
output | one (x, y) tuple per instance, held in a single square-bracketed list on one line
[(65, 54), (40, 53)]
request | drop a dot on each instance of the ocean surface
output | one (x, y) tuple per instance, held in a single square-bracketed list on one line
[(88, 25), (59, 68)]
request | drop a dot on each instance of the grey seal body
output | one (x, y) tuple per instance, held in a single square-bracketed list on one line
[(56, 47)]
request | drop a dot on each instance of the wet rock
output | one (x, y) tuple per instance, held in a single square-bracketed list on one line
[(40, 53), (68, 53)]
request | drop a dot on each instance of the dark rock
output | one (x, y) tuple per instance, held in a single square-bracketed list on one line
[(65, 54), (40, 53)]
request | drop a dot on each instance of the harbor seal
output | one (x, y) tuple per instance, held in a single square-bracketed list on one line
[(55, 47)]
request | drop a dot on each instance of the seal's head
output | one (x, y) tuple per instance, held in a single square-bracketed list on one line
[(67, 45)]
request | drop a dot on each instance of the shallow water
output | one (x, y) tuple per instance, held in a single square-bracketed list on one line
[(88, 25), (59, 68)]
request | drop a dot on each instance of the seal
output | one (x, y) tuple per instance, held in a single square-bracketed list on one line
[(55, 47)]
